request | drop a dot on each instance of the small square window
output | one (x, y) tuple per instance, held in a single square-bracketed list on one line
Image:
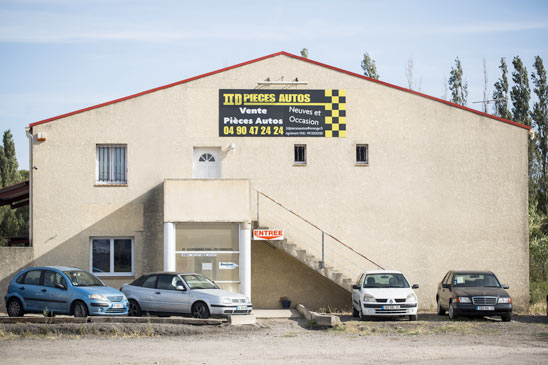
[(362, 154), (300, 154)]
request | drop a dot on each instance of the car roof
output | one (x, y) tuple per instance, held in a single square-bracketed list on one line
[(382, 272), (60, 268), (473, 272)]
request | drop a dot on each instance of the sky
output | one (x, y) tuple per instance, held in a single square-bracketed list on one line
[(58, 56)]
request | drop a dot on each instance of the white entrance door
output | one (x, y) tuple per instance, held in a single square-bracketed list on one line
[(207, 163)]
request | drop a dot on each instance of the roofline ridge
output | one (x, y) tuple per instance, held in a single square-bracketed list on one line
[(281, 53)]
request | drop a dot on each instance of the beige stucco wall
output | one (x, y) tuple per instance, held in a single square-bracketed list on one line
[(274, 274), (12, 259), (445, 188), (197, 200)]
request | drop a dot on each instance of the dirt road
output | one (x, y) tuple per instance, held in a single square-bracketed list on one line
[(287, 341)]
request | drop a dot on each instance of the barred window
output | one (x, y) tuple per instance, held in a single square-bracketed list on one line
[(300, 154), (362, 154), (111, 164)]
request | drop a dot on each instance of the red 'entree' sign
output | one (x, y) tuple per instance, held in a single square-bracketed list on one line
[(268, 234)]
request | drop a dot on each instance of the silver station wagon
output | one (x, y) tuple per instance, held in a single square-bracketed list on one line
[(171, 293)]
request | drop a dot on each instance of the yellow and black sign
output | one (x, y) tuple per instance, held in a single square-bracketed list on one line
[(282, 113)]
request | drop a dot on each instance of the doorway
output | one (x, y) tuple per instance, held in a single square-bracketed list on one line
[(211, 249), (207, 163)]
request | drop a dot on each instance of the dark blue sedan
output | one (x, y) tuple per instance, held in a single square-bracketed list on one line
[(62, 290)]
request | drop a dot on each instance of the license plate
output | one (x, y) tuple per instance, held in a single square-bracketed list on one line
[(241, 308), (485, 308), (117, 305), (390, 307)]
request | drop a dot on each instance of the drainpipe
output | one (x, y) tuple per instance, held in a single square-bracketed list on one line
[(28, 131)]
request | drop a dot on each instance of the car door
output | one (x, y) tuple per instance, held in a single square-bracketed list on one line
[(144, 294), (30, 290), (445, 293), (55, 297), (356, 292), (168, 298)]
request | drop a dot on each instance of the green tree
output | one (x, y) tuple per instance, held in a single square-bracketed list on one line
[(458, 87), (304, 53), (538, 255), (521, 95), (8, 162), (501, 92), (13, 222), (540, 123), (368, 66)]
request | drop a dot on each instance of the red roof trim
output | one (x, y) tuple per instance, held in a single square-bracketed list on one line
[(292, 56), (410, 91), (153, 90)]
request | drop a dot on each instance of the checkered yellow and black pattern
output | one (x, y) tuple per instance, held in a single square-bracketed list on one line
[(335, 114)]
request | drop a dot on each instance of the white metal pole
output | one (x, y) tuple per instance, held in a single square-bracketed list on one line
[(169, 246), (245, 259)]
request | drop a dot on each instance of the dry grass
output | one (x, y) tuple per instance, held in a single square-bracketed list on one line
[(112, 330), (538, 308), (418, 328)]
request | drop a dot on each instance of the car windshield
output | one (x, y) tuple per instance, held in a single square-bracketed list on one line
[(83, 278), (385, 281), (195, 281), (476, 280)]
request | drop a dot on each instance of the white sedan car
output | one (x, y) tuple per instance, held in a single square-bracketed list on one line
[(171, 293), (384, 293)]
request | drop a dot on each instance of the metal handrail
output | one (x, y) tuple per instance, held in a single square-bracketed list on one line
[(315, 226)]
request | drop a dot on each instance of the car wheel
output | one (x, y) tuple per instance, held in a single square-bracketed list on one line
[(506, 317), (79, 309), (200, 310), (413, 317), (441, 311), (355, 312), (360, 314), (15, 308), (134, 309), (452, 314)]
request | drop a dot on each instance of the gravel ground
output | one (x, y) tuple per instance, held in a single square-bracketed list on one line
[(432, 339)]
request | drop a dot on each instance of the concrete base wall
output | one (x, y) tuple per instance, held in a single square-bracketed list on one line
[(12, 260), (275, 274)]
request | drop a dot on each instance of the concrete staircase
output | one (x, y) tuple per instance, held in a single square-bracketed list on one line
[(312, 262)]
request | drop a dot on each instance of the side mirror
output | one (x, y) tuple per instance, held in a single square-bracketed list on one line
[(505, 286), (446, 286), (415, 286), (355, 287), (60, 286), (180, 288)]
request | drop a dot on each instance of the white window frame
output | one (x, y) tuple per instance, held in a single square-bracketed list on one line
[(111, 262), (111, 172)]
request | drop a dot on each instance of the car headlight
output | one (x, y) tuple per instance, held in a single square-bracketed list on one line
[(463, 300), (247, 300), (411, 298), (97, 297), (505, 300), (226, 301), (124, 298), (368, 298)]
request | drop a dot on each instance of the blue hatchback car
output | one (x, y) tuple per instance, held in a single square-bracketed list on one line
[(62, 290)]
